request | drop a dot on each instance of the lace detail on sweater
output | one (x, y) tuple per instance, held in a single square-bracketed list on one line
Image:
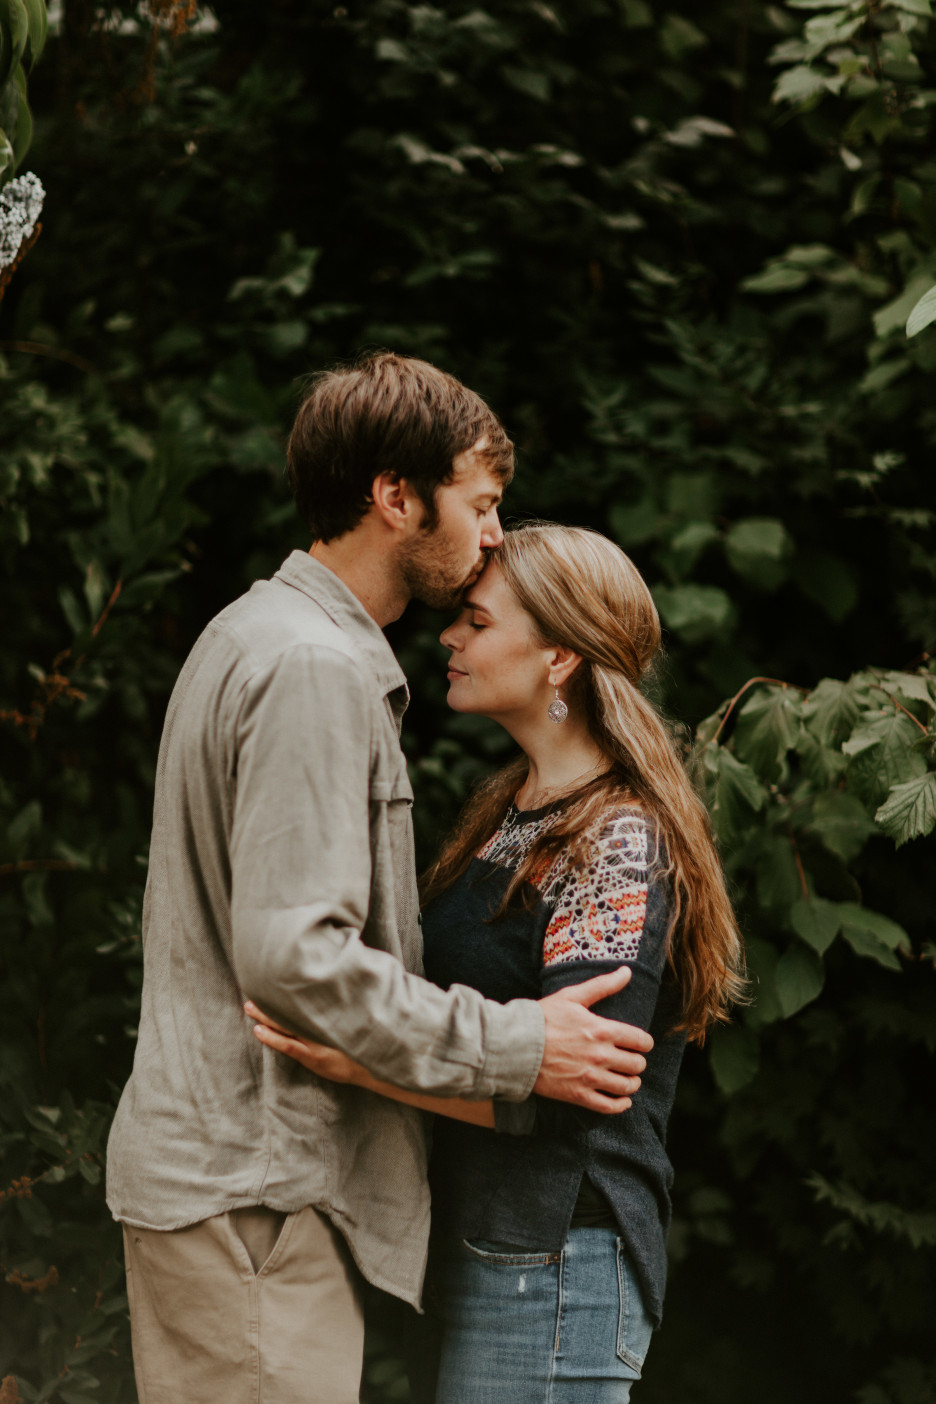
[(598, 911)]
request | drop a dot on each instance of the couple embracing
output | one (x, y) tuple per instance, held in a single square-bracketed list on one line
[(301, 1014)]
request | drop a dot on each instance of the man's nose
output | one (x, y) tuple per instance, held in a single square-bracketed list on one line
[(493, 534)]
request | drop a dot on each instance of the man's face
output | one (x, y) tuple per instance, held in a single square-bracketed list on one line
[(439, 564)]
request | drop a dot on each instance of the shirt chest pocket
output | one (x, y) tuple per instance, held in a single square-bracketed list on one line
[(394, 903)]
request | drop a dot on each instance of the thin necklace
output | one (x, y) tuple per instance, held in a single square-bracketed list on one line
[(551, 794)]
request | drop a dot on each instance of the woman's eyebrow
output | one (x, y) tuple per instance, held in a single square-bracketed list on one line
[(479, 608)]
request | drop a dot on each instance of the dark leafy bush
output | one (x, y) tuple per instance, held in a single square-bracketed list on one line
[(677, 248)]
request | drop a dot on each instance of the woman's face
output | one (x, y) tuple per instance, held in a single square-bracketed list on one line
[(498, 667)]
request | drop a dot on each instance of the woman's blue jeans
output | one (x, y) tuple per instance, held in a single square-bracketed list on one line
[(564, 1327)]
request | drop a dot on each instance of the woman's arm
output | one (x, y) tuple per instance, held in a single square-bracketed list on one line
[(336, 1066)]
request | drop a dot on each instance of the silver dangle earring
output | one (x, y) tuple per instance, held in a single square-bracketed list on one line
[(557, 711)]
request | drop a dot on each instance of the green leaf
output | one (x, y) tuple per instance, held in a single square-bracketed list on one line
[(799, 978), (37, 27), (842, 823), (757, 549), (735, 793), (778, 877), (14, 35), (799, 84), (391, 51), (695, 612), (529, 81), (828, 581), (818, 922), (910, 809), (95, 588), (767, 728), (690, 541), (872, 934), (923, 313), (26, 824), (734, 1057), (894, 314), (776, 277), (831, 711), (882, 754), (821, 764), (634, 524), (912, 687), (36, 900), (22, 135), (7, 158), (72, 609)]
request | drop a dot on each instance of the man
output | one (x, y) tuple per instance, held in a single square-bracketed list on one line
[(253, 1195)]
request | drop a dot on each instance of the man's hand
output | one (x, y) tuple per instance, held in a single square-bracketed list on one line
[(593, 1062)]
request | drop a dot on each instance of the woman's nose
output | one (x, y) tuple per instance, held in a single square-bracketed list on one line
[(449, 638)]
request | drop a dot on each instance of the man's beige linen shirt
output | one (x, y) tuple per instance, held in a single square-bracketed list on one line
[(282, 870)]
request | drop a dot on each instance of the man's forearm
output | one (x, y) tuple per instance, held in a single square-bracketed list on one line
[(329, 986)]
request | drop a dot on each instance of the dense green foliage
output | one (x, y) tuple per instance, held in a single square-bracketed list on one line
[(23, 25), (676, 246)]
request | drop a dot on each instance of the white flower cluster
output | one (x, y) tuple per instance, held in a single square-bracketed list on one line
[(20, 206)]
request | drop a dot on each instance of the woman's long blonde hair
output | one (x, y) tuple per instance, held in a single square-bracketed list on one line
[(584, 593)]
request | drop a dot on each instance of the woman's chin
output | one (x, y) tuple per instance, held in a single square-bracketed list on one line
[(456, 698)]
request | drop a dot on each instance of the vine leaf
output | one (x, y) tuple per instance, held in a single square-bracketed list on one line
[(831, 711), (816, 921), (767, 728), (735, 791), (881, 754), (735, 1058), (872, 934), (923, 313), (842, 824), (910, 809), (912, 687), (799, 978)]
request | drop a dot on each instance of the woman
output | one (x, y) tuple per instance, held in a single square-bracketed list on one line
[(590, 850)]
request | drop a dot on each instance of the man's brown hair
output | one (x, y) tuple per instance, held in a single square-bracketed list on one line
[(384, 414)]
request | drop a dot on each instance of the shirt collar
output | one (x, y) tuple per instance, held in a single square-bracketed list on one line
[(303, 572)]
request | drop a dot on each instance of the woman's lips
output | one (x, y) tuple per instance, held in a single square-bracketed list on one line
[(453, 673)]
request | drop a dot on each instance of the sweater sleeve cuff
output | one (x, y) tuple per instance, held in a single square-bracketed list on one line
[(513, 1045)]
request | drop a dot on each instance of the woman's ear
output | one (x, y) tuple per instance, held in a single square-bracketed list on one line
[(395, 502), (563, 663)]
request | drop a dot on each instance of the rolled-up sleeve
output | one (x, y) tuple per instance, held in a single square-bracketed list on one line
[(301, 879)]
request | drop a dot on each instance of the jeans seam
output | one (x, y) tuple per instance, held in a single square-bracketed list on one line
[(624, 1313), (557, 1337)]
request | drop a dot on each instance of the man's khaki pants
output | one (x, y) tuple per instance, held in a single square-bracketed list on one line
[(249, 1307)]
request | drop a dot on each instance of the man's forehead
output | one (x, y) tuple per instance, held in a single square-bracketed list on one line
[(471, 469)]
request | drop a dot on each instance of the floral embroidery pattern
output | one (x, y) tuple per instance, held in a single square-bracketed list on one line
[(598, 912)]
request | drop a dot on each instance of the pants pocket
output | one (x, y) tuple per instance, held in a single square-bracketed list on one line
[(634, 1325), (258, 1229), (509, 1254)]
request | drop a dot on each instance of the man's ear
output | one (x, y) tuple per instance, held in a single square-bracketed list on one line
[(563, 664), (395, 502)]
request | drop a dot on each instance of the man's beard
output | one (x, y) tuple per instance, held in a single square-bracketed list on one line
[(433, 575)]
